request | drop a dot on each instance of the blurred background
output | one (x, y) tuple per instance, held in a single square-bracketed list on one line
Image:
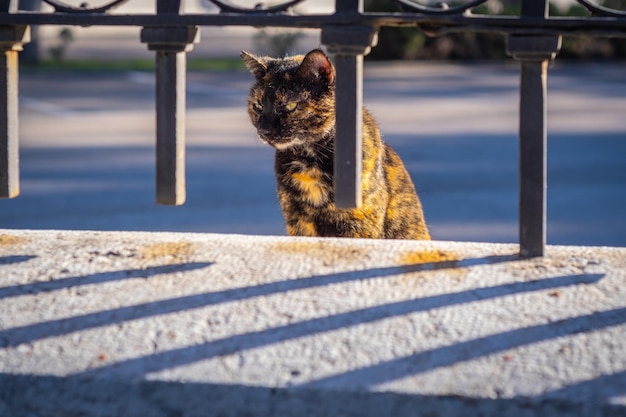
[(448, 105)]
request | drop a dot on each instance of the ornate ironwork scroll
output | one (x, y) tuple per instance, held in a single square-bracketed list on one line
[(599, 10), (227, 7), (441, 8), (61, 7)]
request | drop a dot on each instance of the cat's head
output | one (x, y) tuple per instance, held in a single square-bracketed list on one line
[(292, 102)]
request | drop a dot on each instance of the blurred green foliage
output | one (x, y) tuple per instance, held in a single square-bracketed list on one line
[(410, 43)]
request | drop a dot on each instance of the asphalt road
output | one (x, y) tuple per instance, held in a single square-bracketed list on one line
[(87, 152)]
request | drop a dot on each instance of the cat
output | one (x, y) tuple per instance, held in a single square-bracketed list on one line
[(292, 106)]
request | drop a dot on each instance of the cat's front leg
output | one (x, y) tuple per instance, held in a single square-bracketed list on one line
[(353, 223)]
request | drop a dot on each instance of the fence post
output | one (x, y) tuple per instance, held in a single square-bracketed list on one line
[(348, 44), (534, 53), (171, 45), (12, 39)]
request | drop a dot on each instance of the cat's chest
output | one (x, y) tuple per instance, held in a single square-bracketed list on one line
[(308, 183)]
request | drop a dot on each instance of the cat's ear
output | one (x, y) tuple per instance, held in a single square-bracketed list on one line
[(316, 67), (255, 64)]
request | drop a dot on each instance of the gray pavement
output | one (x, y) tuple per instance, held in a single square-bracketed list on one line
[(128, 324), (87, 145)]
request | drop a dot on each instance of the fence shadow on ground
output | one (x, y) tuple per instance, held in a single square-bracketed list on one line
[(124, 388), (57, 397)]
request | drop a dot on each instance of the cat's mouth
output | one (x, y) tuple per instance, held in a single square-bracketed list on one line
[(282, 144), (288, 145)]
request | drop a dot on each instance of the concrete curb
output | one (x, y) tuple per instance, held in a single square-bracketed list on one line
[(166, 324)]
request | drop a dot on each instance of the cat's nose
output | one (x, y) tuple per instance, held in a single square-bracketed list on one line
[(266, 127), (264, 131), (265, 123)]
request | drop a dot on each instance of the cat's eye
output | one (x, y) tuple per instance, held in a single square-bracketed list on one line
[(291, 106)]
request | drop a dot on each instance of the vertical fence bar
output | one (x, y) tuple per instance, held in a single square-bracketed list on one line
[(168, 6), (534, 52), (532, 158), (170, 128), (533, 146), (348, 44), (170, 109), (349, 119), (11, 40), (348, 139), (9, 140), (170, 45), (8, 6)]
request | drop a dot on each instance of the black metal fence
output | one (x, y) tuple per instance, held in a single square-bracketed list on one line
[(533, 38)]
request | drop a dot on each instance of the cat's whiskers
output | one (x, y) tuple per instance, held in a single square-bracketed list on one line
[(297, 141)]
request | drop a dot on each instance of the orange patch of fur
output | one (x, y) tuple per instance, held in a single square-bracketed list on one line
[(306, 228), (309, 183)]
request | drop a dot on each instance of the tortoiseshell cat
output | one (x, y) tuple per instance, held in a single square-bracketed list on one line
[(292, 106)]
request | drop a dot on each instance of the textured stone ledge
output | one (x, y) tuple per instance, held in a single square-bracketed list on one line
[(163, 324)]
